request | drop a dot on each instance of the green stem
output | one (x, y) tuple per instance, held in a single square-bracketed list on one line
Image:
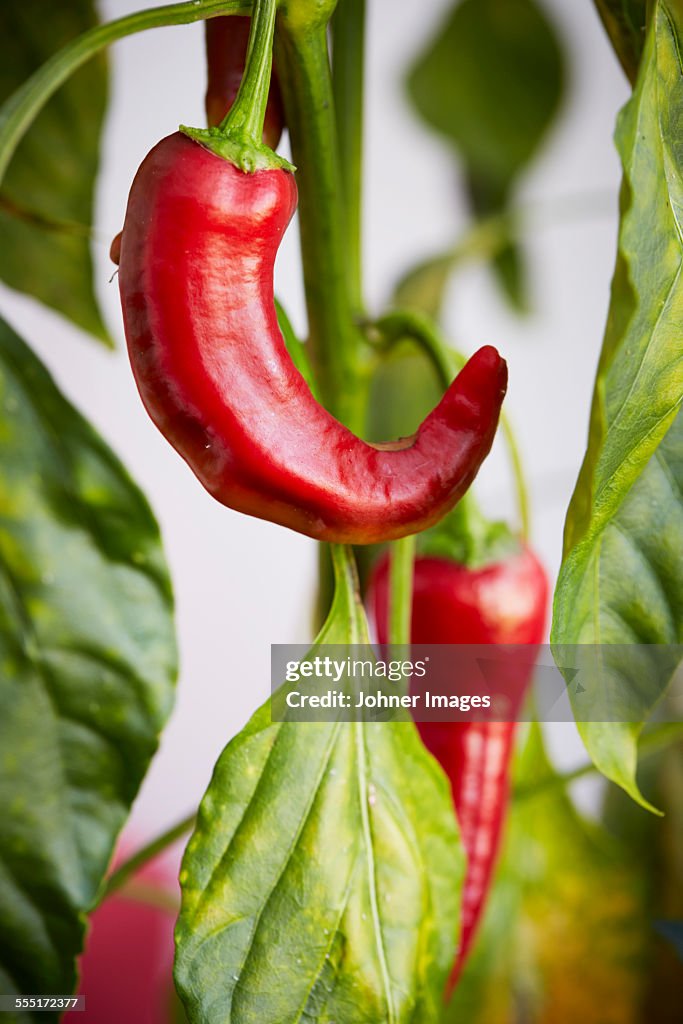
[(151, 895), (415, 326), (330, 269), (521, 489), (346, 598), (304, 72), (401, 592), (248, 112), (400, 325), (348, 56), (148, 852), (21, 109), (239, 136)]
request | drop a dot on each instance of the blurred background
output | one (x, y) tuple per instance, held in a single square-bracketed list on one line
[(242, 584)]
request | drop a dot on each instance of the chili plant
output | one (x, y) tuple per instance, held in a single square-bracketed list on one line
[(338, 871)]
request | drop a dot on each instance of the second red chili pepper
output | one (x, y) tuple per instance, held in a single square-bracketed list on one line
[(504, 602)]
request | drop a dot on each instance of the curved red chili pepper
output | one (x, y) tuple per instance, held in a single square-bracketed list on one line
[(227, 38), (196, 278), (501, 603)]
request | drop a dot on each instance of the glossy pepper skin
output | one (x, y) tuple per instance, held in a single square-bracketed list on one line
[(196, 279), (226, 51), (502, 603)]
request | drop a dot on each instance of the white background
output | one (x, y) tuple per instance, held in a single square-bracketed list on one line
[(242, 584)]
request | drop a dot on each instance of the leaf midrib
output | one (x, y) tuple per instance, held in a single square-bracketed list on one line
[(359, 728)]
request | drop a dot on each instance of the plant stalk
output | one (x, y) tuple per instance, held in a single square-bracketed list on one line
[(348, 58), (146, 853), (401, 593), (305, 78)]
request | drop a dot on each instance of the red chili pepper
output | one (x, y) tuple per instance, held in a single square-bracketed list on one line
[(226, 50), (502, 603), (196, 278)]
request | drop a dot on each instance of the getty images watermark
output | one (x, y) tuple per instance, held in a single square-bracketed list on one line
[(376, 673), (466, 682)]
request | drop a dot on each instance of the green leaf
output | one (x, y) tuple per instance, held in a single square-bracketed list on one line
[(88, 664), (491, 82), (322, 881), (621, 581), (625, 24), (487, 200), (47, 197), (423, 286), (564, 937), (403, 390), (20, 111)]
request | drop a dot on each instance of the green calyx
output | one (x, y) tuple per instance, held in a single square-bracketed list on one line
[(242, 151), (466, 536)]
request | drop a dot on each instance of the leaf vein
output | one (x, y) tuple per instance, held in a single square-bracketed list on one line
[(637, 548), (372, 875), (292, 847)]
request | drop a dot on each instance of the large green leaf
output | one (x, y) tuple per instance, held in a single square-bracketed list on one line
[(625, 24), (622, 576), (565, 936), (490, 82), (46, 200), (322, 881), (88, 662)]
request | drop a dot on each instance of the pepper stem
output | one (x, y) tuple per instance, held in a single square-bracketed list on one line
[(239, 136), (247, 114)]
